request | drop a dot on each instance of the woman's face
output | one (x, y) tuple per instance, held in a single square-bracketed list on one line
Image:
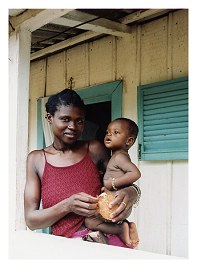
[(67, 123)]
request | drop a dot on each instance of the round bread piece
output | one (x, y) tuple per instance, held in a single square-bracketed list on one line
[(103, 205)]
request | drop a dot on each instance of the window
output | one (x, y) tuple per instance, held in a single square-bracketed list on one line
[(163, 120)]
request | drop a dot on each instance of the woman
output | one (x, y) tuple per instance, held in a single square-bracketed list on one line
[(65, 176)]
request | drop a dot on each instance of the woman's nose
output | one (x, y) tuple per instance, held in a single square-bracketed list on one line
[(71, 125)]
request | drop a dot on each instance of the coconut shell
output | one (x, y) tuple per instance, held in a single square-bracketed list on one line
[(103, 205)]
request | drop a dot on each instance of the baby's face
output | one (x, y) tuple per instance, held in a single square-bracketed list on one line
[(117, 135)]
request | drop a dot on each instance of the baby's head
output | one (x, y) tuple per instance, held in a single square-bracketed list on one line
[(121, 133), (131, 126)]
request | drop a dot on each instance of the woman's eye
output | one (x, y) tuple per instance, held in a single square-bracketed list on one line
[(65, 119), (79, 122)]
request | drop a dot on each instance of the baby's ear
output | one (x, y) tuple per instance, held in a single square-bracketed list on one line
[(130, 141)]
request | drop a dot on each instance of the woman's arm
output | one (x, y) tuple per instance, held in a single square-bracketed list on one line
[(81, 203), (99, 155)]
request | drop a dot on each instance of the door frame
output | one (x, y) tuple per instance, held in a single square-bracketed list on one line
[(111, 91)]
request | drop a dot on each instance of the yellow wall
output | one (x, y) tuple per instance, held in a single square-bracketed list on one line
[(155, 51)]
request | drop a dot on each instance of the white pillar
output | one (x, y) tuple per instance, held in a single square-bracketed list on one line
[(19, 65)]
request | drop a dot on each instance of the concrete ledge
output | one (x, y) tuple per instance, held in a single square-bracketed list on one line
[(31, 245)]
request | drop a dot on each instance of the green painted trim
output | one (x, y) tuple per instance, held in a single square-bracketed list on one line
[(116, 102), (40, 132), (105, 89), (111, 91), (165, 156), (140, 101), (163, 83), (40, 145)]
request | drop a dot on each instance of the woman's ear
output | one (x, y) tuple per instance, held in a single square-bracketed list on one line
[(48, 117)]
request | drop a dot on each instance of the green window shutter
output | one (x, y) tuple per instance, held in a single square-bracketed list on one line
[(163, 120)]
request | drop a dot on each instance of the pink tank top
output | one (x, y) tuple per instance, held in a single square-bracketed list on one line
[(59, 183)]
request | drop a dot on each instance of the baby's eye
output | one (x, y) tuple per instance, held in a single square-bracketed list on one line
[(116, 132)]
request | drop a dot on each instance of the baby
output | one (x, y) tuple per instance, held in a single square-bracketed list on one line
[(121, 172)]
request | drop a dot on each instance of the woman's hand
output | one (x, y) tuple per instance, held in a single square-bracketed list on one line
[(125, 198), (82, 204)]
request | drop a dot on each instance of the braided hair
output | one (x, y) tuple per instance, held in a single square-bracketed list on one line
[(65, 97)]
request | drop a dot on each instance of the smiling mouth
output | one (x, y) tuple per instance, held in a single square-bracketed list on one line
[(70, 135)]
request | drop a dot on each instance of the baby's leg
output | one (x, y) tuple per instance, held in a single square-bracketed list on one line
[(126, 231), (122, 230), (92, 223)]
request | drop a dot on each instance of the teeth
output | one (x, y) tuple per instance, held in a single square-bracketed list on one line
[(69, 134)]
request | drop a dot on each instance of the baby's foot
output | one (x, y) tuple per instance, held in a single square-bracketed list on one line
[(97, 236), (133, 235), (124, 234)]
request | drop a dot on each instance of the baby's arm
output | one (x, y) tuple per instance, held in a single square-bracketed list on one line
[(130, 170)]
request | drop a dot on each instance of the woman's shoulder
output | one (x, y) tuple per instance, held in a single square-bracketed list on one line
[(35, 162), (98, 150), (40, 152), (35, 154), (95, 145)]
